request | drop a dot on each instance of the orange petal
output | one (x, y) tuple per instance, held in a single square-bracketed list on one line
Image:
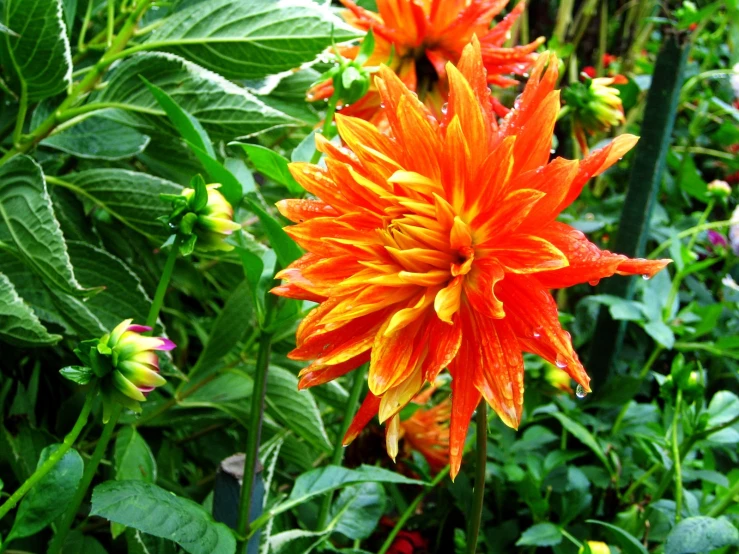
[(319, 373), (448, 299), (479, 288), (588, 263), (532, 313), (526, 254), (298, 211), (366, 412)]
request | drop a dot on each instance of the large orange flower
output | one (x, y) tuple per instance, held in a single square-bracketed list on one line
[(417, 38), (436, 245)]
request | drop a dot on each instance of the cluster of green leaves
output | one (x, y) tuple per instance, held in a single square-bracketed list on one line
[(109, 107)]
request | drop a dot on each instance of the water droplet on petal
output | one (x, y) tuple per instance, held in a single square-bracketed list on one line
[(580, 392), (561, 364), (646, 277), (444, 108), (594, 282), (536, 334)]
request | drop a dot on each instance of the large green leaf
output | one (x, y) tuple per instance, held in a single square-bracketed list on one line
[(295, 409), (18, 323), (27, 220), (329, 478), (584, 436), (541, 534), (123, 296), (50, 497), (286, 248), (133, 457), (270, 164), (153, 510), (99, 138), (357, 510), (695, 535), (247, 40), (225, 110), (227, 330), (129, 196), (627, 541), (40, 49)]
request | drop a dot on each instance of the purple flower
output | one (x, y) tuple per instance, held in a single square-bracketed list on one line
[(717, 239)]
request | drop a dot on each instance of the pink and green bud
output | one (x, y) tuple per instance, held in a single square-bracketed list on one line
[(718, 189), (595, 547), (133, 365)]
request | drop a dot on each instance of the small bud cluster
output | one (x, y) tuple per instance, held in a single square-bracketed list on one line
[(202, 217), (350, 78)]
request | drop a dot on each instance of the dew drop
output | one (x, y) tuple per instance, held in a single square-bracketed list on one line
[(561, 364), (536, 334), (444, 108), (646, 277), (594, 282), (307, 171), (580, 392)]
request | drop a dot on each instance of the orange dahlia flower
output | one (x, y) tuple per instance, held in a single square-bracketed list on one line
[(417, 38), (434, 246)]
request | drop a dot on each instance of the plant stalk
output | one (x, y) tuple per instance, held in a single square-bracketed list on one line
[(87, 477), (677, 461), (338, 453), (481, 421), (57, 455), (256, 416), (156, 303), (410, 510)]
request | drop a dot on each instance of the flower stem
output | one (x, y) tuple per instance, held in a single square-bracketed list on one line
[(726, 501), (332, 103), (410, 510), (87, 477), (156, 304), (677, 459), (338, 453), (255, 430), (57, 455), (481, 421)]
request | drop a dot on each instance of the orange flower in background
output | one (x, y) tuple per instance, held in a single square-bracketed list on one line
[(416, 38), (426, 430), (435, 245)]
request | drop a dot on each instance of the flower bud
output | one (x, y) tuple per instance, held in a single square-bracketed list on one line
[(719, 189), (126, 364), (596, 547), (595, 106), (734, 231), (214, 220)]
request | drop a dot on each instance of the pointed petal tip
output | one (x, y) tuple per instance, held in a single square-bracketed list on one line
[(166, 345)]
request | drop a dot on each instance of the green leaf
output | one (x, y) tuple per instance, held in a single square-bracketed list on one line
[(541, 534), (584, 436), (701, 534), (358, 509), (286, 249), (661, 333), (129, 196), (50, 497), (189, 128), (227, 330), (133, 457), (231, 187), (123, 297), (295, 409), (248, 40), (79, 543), (40, 52), (628, 542), (225, 110), (153, 510), (329, 478), (724, 407), (27, 220), (18, 323), (77, 374), (270, 164), (99, 138)]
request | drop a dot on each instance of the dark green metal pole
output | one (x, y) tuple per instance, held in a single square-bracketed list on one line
[(644, 185)]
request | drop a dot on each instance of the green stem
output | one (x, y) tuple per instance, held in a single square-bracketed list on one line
[(701, 221), (564, 18), (570, 538), (644, 372), (256, 416), (57, 455), (85, 23), (726, 501), (481, 421), (87, 477), (332, 103), (84, 86), (111, 23), (412, 507), (156, 304), (689, 233), (338, 453), (677, 458), (22, 109)]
